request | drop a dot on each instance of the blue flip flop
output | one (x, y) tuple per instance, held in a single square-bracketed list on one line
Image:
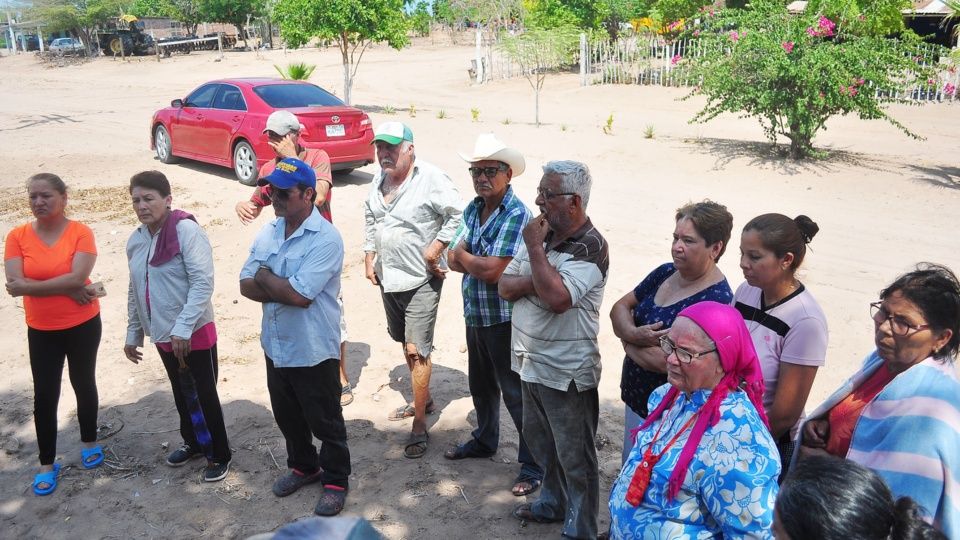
[(96, 453), (49, 478)]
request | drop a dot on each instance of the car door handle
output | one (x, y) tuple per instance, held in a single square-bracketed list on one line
[(236, 118), (199, 117)]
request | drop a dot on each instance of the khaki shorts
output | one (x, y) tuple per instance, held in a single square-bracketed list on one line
[(412, 315)]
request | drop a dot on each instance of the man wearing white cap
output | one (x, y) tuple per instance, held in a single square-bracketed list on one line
[(283, 131), (411, 214), (489, 238)]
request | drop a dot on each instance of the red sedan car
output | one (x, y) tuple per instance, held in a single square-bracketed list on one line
[(222, 122)]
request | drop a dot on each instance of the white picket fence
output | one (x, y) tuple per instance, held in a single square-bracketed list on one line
[(655, 61)]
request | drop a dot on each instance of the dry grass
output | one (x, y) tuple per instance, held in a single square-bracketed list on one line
[(111, 204)]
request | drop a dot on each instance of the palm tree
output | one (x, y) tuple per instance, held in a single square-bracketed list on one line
[(298, 71)]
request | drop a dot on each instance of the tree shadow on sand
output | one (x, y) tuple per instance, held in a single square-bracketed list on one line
[(938, 175), (766, 156)]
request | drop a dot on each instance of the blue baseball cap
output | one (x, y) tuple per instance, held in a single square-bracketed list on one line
[(289, 173)]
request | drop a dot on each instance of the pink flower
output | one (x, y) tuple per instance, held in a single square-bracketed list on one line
[(949, 89), (696, 33), (734, 36), (826, 26), (853, 91), (930, 82), (787, 46), (843, 89), (860, 82), (675, 60), (811, 32)]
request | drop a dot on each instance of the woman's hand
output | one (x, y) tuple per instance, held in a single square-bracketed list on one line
[(17, 287), (649, 358), (133, 354), (816, 432), (648, 335), (181, 348), (82, 296)]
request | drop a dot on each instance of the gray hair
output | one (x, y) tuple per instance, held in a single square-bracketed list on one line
[(574, 178)]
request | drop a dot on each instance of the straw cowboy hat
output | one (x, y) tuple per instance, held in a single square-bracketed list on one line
[(489, 147)]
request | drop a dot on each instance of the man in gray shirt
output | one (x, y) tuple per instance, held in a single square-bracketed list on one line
[(556, 282), (411, 214)]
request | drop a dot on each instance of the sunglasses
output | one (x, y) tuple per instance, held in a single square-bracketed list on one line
[(281, 194), (489, 172)]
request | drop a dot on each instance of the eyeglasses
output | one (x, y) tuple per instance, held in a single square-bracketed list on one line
[(547, 194), (899, 325), (683, 355), (489, 172), (280, 194)]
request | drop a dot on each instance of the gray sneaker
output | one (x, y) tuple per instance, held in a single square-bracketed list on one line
[(182, 455), (292, 481), (215, 472)]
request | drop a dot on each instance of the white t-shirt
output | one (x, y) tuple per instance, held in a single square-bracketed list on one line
[(794, 330)]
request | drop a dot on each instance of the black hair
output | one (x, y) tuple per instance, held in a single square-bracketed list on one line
[(303, 187), (829, 498), (935, 290), (711, 220), (154, 180), (783, 235), (55, 181)]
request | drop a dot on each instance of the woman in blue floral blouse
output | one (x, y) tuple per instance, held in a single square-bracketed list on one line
[(704, 464)]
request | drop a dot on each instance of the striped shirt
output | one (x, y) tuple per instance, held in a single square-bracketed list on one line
[(550, 348), (499, 236)]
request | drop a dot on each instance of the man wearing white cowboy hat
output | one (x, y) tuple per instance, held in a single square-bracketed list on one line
[(488, 239), (411, 214)]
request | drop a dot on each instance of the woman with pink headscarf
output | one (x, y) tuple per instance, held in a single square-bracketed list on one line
[(704, 464)]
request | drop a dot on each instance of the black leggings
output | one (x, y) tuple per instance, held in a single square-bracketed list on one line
[(48, 348)]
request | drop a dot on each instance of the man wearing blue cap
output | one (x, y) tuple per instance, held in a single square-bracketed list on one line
[(411, 214), (294, 272)]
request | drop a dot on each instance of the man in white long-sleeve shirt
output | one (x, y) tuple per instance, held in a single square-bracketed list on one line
[(412, 213)]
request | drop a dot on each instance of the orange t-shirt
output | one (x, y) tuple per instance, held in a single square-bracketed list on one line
[(844, 415), (42, 262)]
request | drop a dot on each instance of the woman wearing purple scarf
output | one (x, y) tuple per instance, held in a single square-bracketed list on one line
[(169, 300), (704, 464)]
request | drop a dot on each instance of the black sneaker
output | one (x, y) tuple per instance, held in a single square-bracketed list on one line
[(182, 455), (216, 472)]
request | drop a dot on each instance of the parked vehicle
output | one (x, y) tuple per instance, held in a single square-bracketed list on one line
[(124, 35), (66, 46), (222, 122)]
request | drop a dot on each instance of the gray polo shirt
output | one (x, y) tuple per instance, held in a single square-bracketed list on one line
[(550, 348)]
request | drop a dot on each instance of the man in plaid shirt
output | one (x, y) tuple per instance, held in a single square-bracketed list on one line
[(489, 236)]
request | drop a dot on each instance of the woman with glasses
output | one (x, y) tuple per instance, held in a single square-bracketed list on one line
[(704, 464), (900, 414), (788, 327), (645, 314), (170, 300)]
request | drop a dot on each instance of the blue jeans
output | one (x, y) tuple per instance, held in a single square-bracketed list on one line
[(560, 428), (490, 376)]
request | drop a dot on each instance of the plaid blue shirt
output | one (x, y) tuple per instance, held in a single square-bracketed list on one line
[(500, 236)]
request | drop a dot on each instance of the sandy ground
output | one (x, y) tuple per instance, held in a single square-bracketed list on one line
[(883, 202)]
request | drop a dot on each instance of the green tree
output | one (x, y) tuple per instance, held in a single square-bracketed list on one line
[(420, 20), (612, 14), (668, 11), (540, 51), (583, 14), (353, 24), (233, 12), (794, 72), (871, 17), (187, 12), (150, 8), (78, 17)]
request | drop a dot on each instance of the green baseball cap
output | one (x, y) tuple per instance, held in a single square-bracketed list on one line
[(392, 133)]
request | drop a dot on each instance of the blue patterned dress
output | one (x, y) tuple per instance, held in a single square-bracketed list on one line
[(729, 489)]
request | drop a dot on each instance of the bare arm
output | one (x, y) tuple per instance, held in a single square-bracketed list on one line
[(547, 282), (486, 269), (65, 284), (513, 288), (250, 289), (649, 358), (793, 388)]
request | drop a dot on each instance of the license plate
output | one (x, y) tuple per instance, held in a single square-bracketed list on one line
[(336, 130)]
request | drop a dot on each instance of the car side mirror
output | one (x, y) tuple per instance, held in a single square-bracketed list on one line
[(177, 103)]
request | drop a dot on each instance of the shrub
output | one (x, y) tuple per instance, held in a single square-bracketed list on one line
[(794, 72)]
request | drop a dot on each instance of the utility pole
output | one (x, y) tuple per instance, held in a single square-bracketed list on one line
[(12, 43)]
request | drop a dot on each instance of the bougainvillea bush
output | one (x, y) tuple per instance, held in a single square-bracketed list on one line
[(794, 71)]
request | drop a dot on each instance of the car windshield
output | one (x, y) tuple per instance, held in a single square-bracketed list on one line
[(288, 96)]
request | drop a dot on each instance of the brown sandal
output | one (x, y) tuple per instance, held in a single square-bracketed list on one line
[(416, 445), (407, 411)]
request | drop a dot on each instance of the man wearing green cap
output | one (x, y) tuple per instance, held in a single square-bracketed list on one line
[(411, 214)]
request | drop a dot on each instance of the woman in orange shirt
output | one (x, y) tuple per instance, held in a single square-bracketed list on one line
[(48, 263)]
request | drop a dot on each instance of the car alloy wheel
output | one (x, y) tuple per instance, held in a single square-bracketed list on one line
[(245, 163), (161, 141)]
